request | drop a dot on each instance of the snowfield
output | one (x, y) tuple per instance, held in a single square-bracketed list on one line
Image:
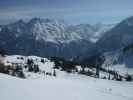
[(63, 86), (70, 88)]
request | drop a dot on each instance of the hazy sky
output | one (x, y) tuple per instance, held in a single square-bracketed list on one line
[(72, 11)]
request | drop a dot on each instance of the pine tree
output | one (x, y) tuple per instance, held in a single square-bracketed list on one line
[(30, 65), (36, 68), (54, 73)]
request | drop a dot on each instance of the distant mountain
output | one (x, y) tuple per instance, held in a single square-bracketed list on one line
[(118, 37), (48, 37), (100, 30), (90, 32)]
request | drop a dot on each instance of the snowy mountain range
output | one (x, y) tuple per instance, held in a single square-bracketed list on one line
[(56, 30), (48, 37)]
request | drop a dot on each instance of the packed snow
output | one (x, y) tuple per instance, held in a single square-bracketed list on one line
[(70, 88)]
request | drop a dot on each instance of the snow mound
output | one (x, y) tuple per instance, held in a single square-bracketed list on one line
[(45, 65)]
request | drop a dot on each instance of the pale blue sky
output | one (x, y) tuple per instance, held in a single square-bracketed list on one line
[(72, 11)]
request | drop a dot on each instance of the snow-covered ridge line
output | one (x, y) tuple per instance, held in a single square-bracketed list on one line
[(56, 30)]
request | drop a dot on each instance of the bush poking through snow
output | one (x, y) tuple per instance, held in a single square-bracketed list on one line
[(129, 78)]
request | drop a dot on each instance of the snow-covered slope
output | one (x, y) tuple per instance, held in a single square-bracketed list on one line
[(76, 88), (63, 86), (44, 65)]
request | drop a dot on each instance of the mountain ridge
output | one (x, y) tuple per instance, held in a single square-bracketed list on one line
[(47, 37)]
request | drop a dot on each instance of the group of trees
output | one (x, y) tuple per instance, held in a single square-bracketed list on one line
[(65, 65), (128, 77), (128, 47), (31, 66), (14, 70), (2, 52), (94, 61)]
